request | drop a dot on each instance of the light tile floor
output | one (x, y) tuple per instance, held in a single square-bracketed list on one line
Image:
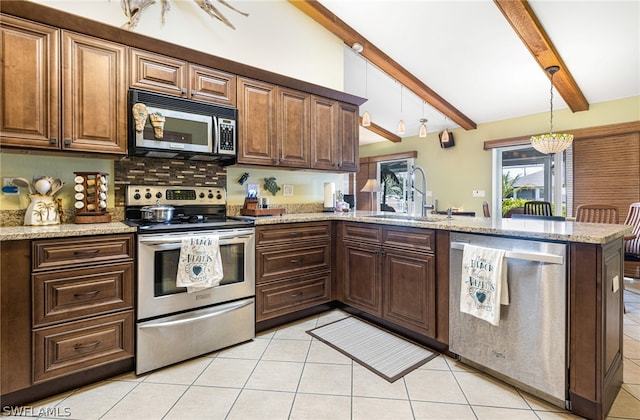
[(285, 374)]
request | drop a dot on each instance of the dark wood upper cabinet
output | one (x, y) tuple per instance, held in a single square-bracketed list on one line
[(30, 78), (94, 95), (257, 125), (71, 97), (168, 75)]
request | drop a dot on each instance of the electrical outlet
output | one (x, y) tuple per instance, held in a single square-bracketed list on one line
[(478, 193), (287, 190)]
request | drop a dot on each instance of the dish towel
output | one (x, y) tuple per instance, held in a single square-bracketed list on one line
[(484, 282), (200, 265)]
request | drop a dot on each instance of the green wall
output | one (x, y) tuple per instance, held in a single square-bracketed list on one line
[(453, 173)]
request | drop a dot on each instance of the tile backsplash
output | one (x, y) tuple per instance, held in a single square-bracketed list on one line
[(136, 170)]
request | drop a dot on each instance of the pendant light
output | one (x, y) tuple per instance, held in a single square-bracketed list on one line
[(444, 136), (551, 143), (366, 118), (401, 127), (422, 132), (358, 48)]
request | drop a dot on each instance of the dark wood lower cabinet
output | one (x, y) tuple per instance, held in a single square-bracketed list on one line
[(409, 294), (390, 272), (293, 268), (67, 315)]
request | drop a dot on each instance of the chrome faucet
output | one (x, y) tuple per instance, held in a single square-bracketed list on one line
[(423, 193)]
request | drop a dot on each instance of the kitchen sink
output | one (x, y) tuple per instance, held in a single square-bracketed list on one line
[(405, 217)]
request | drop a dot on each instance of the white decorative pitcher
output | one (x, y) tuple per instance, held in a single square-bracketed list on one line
[(43, 210)]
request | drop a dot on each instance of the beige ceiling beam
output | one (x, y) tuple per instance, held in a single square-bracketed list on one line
[(525, 23), (349, 36), (374, 128)]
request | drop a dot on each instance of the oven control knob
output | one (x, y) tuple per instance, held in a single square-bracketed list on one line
[(210, 195), (147, 195), (136, 196), (158, 194), (219, 196), (201, 195)]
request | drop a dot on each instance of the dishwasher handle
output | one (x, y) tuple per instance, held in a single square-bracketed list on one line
[(523, 255)]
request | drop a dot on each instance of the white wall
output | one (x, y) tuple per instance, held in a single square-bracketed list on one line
[(275, 36)]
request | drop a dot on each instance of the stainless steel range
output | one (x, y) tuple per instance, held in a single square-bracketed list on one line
[(171, 324)]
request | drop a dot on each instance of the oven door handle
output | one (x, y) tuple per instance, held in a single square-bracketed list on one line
[(178, 241), (228, 308)]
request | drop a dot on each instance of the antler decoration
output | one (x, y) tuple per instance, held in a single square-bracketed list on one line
[(133, 10)]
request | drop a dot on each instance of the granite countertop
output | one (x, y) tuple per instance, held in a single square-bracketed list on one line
[(15, 233), (569, 231)]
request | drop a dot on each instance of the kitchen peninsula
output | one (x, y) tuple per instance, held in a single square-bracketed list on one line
[(325, 241), (364, 240)]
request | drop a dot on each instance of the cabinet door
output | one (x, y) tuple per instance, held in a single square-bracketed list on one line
[(257, 125), (158, 73), (211, 85), (94, 99), (324, 133), (29, 84), (362, 280), (348, 126), (293, 128), (409, 280)]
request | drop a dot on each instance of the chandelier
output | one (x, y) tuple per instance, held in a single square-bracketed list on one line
[(552, 142)]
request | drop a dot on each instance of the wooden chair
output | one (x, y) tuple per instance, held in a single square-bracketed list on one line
[(485, 209), (597, 213), (538, 217), (632, 245), (540, 208)]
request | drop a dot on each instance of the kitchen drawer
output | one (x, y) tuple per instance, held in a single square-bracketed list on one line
[(292, 232), (66, 295), (75, 346), (410, 238), (283, 297), (362, 232), (51, 254), (279, 262)]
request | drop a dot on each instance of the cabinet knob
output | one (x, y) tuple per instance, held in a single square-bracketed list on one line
[(53, 140), (67, 142), (193, 93), (184, 92), (275, 160)]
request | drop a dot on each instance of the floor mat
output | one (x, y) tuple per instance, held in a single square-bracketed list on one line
[(385, 354)]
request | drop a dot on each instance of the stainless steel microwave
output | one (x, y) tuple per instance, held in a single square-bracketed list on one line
[(164, 126)]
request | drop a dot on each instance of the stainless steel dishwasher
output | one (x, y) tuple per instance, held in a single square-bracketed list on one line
[(529, 346)]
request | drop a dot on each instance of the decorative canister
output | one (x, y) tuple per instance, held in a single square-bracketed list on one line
[(42, 210)]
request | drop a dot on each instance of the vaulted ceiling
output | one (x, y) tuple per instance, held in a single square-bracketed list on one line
[(466, 62)]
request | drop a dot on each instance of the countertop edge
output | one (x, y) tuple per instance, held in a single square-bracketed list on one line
[(17, 233)]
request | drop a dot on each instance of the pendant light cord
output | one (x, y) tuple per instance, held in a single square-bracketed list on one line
[(551, 106)]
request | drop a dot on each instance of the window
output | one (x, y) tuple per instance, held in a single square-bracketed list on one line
[(521, 173)]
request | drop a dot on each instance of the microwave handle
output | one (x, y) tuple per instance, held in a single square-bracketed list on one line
[(216, 135)]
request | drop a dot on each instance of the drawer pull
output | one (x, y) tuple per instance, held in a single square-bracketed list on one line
[(90, 252), (92, 293), (296, 294), (295, 260), (86, 346)]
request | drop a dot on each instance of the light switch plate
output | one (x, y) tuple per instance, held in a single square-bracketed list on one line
[(287, 190)]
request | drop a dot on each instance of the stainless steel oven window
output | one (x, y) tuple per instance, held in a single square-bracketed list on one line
[(166, 267), (238, 248)]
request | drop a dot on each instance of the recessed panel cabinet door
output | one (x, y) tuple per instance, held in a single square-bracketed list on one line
[(409, 280), (362, 277), (293, 128), (29, 84), (324, 136), (257, 125), (94, 103), (348, 123)]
